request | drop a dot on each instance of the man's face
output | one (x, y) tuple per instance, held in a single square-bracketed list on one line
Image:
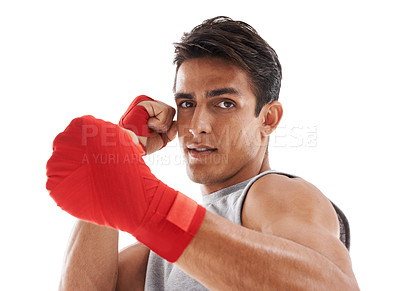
[(217, 127)]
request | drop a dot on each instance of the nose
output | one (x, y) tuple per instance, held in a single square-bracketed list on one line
[(200, 122)]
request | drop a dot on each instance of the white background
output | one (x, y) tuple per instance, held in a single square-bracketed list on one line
[(63, 59)]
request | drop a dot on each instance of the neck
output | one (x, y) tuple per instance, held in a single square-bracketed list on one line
[(241, 176)]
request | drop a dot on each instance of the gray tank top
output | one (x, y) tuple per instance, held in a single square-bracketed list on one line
[(228, 203)]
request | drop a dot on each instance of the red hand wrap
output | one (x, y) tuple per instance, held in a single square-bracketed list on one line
[(97, 174), (135, 119)]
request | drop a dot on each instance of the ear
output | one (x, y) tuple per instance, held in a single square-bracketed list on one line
[(270, 115)]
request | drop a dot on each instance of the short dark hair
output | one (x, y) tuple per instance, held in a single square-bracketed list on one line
[(239, 43)]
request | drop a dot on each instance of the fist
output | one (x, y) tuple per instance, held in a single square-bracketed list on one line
[(96, 173), (151, 121)]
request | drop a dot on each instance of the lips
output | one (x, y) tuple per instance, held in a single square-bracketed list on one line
[(200, 151)]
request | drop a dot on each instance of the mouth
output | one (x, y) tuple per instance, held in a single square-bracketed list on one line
[(200, 151)]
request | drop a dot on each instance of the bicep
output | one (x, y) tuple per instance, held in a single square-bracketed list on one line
[(313, 236), (295, 210), (132, 265)]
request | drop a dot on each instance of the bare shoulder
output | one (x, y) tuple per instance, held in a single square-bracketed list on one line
[(132, 265), (294, 209), (277, 196)]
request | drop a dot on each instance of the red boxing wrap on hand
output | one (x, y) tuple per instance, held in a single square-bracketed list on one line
[(136, 117), (96, 173)]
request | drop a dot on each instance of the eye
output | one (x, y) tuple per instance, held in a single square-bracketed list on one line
[(226, 104), (186, 104)]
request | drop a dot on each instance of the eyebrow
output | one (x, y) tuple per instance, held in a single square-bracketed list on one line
[(209, 94)]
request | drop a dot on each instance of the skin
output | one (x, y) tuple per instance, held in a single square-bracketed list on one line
[(276, 207), (225, 122), (289, 228), (91, 246)]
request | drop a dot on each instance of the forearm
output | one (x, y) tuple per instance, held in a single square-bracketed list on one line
[(225, 256), (91, 261)]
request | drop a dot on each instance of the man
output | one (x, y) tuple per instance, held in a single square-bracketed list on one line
[(261, 230)]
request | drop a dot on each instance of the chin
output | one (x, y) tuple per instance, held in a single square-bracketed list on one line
[(204, 175)]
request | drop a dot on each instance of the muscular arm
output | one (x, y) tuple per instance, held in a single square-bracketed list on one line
[(291, 246), (132, 267), (91, 261)]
